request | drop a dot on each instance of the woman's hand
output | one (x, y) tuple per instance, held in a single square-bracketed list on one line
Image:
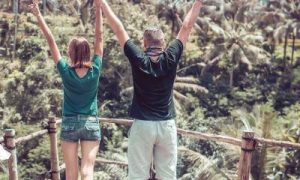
[(34, 8), (97, 3)]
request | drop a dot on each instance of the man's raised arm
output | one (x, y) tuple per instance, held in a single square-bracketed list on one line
[(115, 24), (189, 22)]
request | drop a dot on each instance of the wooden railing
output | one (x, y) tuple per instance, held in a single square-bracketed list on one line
[(248, 143)]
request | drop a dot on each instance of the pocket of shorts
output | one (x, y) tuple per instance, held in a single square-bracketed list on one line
[(92, 127), (171, 126), (68, 127), (171, 131), (132, 128)]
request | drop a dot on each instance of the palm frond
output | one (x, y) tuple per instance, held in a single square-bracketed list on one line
[(240, 15), (219, 31), (243, 59), (180, 97), (279, 34), (188, 79), (243, 116), (178, 101), (203, 168), (186, 87), (127, 91), (256, 54), (253, 38), (271, 18), (214, 53)]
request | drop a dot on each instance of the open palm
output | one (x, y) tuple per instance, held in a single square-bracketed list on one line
[(34, 7)]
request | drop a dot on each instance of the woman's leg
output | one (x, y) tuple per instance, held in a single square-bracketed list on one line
[(70, 156), (89, 151)]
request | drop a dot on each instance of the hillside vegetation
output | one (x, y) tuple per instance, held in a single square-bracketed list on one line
[(240, 69)]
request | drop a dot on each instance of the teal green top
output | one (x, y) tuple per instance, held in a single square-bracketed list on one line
[(80, 93)]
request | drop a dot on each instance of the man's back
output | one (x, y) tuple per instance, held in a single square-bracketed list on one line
[(153, 134), (153, 81)]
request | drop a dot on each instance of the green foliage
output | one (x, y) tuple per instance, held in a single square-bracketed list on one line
[(227, 79), (42, 98)]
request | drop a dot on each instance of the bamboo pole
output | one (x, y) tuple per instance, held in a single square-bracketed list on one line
[(248, 146), (105, 161), (283, 144), (187, 133), (9, 140), (31, 136), (55, 174), (126, 122), (211, 137)]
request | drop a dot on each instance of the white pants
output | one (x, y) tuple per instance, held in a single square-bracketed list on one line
[(155, 140)]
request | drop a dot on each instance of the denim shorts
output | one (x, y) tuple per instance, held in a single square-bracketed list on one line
[(80, 127)]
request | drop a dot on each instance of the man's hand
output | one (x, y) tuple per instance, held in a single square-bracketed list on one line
[(189, 22), (34, 8)]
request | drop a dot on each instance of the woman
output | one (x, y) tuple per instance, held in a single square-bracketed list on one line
[(80, 110)]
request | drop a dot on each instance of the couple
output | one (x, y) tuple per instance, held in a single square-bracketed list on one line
[(153, 133)]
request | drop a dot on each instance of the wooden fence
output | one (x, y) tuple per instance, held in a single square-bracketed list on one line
[(248, 143)]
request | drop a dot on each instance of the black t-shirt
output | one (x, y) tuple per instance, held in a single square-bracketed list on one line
[(153, 81)]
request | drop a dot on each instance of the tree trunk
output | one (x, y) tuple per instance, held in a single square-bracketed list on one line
[(16, 10), (293, 49), (44, 7), (266, 128), (10, 4), (284, 50), (85, 12), (231, 77)]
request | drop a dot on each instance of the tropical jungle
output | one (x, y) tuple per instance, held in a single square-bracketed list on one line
[(240, 70)]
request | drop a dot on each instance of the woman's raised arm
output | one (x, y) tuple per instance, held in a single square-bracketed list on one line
[(114, 23), (46, 31), (98, 44)]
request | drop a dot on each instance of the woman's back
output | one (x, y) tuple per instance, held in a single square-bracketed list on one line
[(80, 93)]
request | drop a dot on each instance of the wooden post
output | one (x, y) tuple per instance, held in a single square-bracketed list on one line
[(55, 174), (9, 141), (16, 11), (248, 146)]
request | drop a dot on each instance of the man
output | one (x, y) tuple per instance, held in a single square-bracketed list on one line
[(153, 133)]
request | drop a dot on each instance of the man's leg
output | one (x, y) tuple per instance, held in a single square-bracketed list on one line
[(165, 151), (140, 149)]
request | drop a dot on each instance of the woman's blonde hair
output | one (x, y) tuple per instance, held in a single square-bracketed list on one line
[(79, 52)]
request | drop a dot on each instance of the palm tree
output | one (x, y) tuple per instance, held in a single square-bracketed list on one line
[(280, 20), (261, 120), (200, 167), (234, 41)]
